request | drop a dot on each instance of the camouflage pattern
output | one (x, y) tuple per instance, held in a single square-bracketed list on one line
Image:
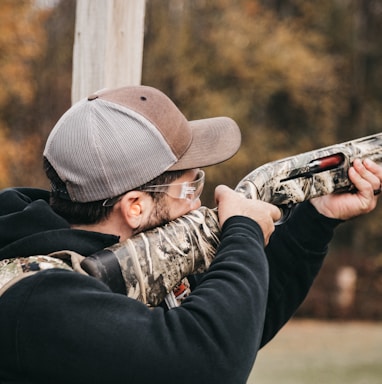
[(12, 270), (154, 262), (278, 182)]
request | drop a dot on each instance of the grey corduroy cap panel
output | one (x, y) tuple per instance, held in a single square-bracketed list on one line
[(101, 149)]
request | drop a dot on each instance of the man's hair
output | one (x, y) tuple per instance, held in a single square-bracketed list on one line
[(95, 211)]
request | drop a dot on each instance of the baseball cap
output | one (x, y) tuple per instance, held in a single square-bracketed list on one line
[(119, 139)]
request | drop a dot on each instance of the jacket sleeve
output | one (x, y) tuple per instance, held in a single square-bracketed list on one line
[(64, 327), (295, 255)]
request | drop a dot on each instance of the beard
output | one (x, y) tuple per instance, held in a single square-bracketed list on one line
[(160, 216)]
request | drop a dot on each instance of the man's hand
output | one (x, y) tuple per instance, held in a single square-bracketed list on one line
[(231, 203), (367, 178)]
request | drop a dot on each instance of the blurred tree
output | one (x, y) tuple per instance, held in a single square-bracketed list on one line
[(53, 70), (35, 77), (237, 58), (22, 40)]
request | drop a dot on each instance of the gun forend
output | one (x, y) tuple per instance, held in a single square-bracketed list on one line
[(311, 174)]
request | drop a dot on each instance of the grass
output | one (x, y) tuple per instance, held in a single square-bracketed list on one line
[(315, 352)]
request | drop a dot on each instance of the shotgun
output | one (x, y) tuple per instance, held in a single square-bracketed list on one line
[(153, 264)]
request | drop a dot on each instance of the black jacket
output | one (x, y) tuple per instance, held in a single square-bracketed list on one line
[(62, 327)]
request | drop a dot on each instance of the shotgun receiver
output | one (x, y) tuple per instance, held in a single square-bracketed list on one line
[(150, 265)]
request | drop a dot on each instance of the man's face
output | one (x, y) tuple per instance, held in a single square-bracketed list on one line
[(174, 203)]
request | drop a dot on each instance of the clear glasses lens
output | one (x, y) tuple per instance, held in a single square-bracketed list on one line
[(188, 190)]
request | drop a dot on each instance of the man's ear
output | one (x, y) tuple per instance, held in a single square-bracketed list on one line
[(132, 206)]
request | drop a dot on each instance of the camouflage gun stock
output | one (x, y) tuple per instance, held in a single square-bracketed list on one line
[(148, 266)]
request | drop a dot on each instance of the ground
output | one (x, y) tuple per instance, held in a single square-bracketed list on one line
[(315, 352)]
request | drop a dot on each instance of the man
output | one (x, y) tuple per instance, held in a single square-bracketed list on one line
[(120, 162)]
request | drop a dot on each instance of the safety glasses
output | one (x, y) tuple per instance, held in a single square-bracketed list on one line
[(188, 190)]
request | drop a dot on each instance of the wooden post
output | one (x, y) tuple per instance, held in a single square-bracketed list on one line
[(108, 45)]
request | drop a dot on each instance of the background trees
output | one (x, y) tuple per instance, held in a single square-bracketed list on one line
[(295, 75), (35, 76)]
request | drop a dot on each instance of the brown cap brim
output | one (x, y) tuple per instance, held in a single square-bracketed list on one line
[(214, 140)]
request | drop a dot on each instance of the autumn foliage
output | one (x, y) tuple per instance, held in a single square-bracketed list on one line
[(295, 75)]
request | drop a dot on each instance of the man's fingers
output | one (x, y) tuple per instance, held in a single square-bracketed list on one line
[(368, 172)]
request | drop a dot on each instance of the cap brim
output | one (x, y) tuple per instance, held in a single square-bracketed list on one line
[(214, 141)]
